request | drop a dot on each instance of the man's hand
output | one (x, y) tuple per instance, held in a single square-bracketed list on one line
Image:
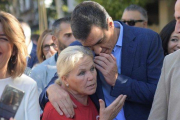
[(113, 109), (61, 101), (107, 65), (11, 119)]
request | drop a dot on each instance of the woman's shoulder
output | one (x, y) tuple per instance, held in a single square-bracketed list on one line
[(25, 81), (50, 113)]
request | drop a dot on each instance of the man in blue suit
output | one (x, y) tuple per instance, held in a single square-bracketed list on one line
[(128, 60)]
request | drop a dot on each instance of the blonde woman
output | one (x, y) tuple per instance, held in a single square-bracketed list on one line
[(13, 54), (77, 75)]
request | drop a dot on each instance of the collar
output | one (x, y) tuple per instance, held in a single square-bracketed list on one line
[(120, 38), (56, 56)]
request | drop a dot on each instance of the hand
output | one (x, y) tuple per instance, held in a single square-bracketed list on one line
[(48, 55), (61, 101), (113, 109), (107, 65), (11, 119)]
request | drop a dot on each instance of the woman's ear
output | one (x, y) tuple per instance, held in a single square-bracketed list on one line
[(64, 79), (14, 50)]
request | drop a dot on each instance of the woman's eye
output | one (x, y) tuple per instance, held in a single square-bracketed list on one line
[(92, 69), (3, 39), (174, 40), (82, 73)]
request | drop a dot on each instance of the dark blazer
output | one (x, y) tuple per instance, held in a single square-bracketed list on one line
[(141, 63), (32, 60)]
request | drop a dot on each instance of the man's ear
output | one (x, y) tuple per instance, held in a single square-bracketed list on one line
[(110, 22), (145, 24), (54, 39)]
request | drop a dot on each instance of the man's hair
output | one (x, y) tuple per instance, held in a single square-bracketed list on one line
[(56, 25), (141, 10), (85, 15)]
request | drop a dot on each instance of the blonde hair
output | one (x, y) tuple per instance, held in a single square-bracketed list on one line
[(40, 55), (13, 31), (68, 58)]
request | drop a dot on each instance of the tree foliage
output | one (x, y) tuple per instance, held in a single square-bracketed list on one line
[(115, 8)]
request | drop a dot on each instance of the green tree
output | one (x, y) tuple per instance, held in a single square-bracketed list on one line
[(115, 8)]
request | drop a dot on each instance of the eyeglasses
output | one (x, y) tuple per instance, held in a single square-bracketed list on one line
[(47, 47), (132, 22)]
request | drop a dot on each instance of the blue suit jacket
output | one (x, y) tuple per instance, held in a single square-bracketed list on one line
[(141, 63), (32, 60)]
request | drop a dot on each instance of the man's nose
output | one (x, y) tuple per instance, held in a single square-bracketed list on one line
[(97, 50), (177, 27)]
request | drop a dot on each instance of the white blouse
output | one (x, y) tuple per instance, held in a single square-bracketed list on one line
[(29, 108)]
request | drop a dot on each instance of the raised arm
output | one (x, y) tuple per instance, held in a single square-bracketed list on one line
[(140, 91), (113, 109)]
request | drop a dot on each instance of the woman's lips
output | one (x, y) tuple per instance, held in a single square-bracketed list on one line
[(92, 85)]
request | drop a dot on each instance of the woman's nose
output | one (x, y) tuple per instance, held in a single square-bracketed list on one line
[(90, 75)]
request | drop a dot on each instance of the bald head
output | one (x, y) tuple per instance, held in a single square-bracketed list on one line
[(177, 16), (27, 32)]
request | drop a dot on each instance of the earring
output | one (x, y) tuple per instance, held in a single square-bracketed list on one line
[(44, 57), (67, 85), (12, 59)]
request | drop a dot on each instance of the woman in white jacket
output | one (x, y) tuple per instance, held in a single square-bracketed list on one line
[(13, 55)]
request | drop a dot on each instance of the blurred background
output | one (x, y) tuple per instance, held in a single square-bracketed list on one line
[(40, 14)]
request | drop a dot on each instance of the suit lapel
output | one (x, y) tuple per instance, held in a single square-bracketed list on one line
[(128, 50)]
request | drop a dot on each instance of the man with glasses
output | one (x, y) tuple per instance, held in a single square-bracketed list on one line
[(135, 15), (62, 37)]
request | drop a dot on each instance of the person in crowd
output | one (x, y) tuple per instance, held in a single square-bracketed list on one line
[(34, 38), (32, 59), (166, 100), (45, 47), (170, 39), (13, 54), (135, 15), (128, 61), (62, 37), (78, 78)]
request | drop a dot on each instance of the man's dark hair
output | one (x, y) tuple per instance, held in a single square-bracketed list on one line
[(165, 35), (85, 15), (141, 10), (56, 25)]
